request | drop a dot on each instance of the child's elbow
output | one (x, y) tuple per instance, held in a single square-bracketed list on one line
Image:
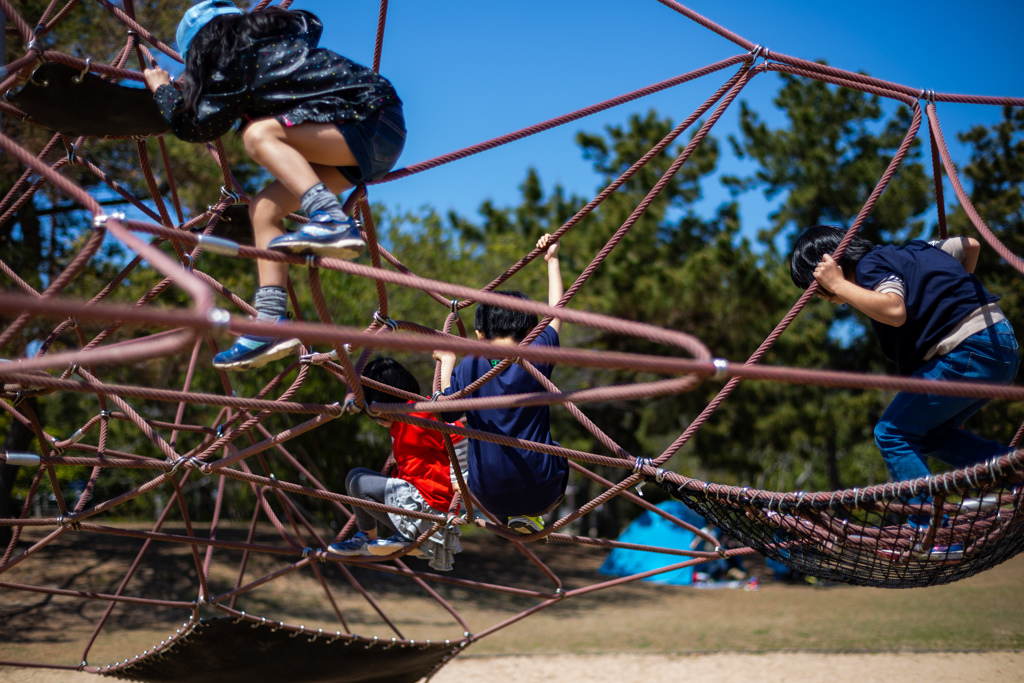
[(897, 314), (894, 313)]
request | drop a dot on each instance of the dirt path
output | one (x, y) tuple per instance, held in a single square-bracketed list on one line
[(991, 667), (638, 632)]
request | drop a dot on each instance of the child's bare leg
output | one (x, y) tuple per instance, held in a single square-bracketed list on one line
[(268, 210), (293, 156), (288, 154)]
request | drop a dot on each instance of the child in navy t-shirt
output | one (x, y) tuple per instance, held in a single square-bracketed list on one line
[(513, 483), (935, 320)]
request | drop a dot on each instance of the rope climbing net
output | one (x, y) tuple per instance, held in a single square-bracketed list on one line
[(855, 536)]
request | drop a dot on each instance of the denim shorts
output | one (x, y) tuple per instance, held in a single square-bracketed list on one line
[(376, 143)]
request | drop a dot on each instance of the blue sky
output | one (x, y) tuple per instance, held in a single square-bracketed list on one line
[(469, 71)]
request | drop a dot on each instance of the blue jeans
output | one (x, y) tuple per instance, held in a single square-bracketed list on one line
[(918, 425)]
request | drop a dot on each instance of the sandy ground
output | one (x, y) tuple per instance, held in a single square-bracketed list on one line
[(805, 667), (991, 667), (623, 634)]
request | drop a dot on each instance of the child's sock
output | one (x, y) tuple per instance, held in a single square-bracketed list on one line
[(319, 198), (270, 303)]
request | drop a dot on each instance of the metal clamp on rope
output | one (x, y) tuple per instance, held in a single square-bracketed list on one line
[(81, 75), (331, 355), (637, 466), (349, 407), (385, 321), (53, 446), (70, 522), (721, 368), (229, 194), (755, 53), (454, 306), (218, 245), (21, 459), (71, 151), (100, 221), (187, 263), (436, 395), (178, 463), (659, 475), (218, 318)]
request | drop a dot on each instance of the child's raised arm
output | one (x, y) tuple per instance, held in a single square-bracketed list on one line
[(555, 287), (447, 359)]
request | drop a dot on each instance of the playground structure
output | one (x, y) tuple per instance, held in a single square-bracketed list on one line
[(853, 536)]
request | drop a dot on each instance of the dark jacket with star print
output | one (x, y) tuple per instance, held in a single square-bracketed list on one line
[(287, 77)]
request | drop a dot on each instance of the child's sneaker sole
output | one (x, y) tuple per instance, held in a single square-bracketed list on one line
[(384, 550), (524, 526), (345, 249)]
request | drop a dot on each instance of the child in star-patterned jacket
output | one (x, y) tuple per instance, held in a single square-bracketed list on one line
[(316, 121)]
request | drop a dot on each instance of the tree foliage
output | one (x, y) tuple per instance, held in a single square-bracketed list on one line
[(677, 268)]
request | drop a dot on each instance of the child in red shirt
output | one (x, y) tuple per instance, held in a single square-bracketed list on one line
[(420, 481)]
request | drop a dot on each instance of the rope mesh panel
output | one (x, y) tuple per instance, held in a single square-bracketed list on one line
[(856, 536)]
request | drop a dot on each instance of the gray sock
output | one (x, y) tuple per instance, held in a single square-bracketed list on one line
[(270, 303), (319, 198)]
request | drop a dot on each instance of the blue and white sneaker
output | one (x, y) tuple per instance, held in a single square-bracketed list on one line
[(392, 544), (357, 545), (939, 553), (323, 236), (251, 351)]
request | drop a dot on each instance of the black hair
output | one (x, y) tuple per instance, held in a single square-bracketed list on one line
[(388, 371), (814, 243), (218, 44), (498, 323)]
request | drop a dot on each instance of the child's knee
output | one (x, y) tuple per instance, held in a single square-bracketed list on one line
[(257, 134), (884, 438)]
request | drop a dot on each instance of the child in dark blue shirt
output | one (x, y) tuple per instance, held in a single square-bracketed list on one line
[(513, 483), (935, 320)]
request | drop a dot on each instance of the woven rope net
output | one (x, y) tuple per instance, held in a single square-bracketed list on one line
[(854, 536)]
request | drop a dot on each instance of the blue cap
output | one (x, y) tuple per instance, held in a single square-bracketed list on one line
[(198, 16)]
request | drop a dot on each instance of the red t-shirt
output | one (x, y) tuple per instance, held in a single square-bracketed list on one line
[(420, 459)]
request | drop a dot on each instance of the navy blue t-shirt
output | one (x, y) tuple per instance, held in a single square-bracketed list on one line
[(506, 480), (939, 293)]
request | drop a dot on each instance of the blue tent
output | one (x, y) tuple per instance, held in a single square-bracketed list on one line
[(650, 529)]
